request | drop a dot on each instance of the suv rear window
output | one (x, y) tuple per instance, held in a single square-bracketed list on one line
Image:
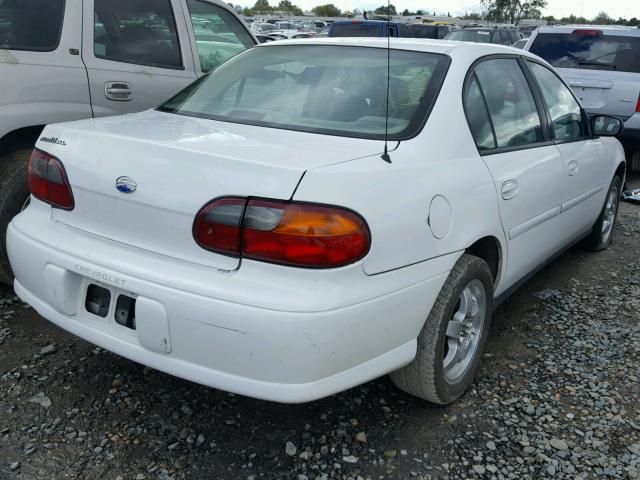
[(335, 90), (356, 30), (591, 52), (33, 25)]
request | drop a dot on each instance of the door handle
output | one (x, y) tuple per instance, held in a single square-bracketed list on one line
[(573, 168), (118, 91), (510, 189)]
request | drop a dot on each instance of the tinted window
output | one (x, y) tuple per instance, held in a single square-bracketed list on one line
[(404, 31), (563, 107), (511, 105), (323, 89), (31, 24), (143, 33), (506, 38), (594, 52), (477, 36), (219, 34), (478, 117), (442, 32), (423, 31), (356, 30)]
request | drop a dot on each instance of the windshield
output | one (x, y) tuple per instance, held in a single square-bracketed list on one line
[(356, 30), (594, 52), (321, 89), (267, 27), (478, 36)]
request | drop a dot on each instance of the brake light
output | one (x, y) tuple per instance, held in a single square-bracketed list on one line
[(287, 233), (48, 180), (638, 106), (588, 32)]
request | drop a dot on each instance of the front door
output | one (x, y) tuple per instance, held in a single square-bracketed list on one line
[(586, 173), (137, 54)]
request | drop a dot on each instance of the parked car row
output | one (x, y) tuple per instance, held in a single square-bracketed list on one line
[(275, 228)]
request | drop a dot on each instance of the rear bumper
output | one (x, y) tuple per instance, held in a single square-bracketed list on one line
[(256, 346)]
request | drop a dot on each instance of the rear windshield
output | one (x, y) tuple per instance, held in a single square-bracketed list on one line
[(356, 30), (592, 52), (30, 24), (477, 36), (334, 90)]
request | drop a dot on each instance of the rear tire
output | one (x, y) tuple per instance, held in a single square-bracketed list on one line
[(14, 192), (453, 332), (604, 229)]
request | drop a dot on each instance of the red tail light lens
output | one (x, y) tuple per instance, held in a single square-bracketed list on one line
[(217, 226), (638, 106), (48, 180), (588, 32), (287, 233)]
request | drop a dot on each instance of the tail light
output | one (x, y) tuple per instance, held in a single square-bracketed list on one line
[(287, 233), (588, 32), (48, 180), (638, 106)]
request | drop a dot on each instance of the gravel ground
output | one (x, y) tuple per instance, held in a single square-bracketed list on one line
[(558, 396)]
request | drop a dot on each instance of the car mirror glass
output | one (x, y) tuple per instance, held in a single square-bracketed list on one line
[(606, 126)]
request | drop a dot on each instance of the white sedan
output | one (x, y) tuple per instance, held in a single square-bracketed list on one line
[(252, 235)]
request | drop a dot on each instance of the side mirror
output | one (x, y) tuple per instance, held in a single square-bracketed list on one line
[(605, 126)]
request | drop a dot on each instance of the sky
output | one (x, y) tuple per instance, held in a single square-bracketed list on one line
[(557, 8)]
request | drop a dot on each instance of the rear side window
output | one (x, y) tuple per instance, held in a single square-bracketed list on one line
[(403, 31), (219, 34), (442, 32), (142, 33), (478, 117), (356, 30), (33, 25), (566, 115), (590, 50), (513, 110)]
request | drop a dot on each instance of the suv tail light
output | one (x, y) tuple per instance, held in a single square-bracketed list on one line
[(638, 106), (48, 180), (588, 32), (287, 233)]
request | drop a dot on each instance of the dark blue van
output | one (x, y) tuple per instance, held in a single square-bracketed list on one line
[(368, 28)]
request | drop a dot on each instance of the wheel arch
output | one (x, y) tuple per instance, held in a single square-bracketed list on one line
[(20, 138), (490, 250)]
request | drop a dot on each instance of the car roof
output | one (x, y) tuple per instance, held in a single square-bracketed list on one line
[(606, 29), (445, 47)]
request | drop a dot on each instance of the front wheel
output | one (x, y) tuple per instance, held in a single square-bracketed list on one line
[(14, 194), (452, 339), (604, 229)]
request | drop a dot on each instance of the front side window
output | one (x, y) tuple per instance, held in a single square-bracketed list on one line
[(566, 115), (219, 34), (336, 90), (142, 33), (33, 25), (513, 110), (589, 49)]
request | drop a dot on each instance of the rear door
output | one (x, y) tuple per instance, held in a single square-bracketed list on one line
[(603, 69), (583, 156), (42, 77), (137, 53), (509, 128)]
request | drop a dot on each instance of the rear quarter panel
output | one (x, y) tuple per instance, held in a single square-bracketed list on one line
[(45, 87), (395, 198)]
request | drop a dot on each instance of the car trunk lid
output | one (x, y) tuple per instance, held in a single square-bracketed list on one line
[(175, 165)]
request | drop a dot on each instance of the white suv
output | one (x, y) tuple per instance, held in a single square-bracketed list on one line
[(602, 66), (62, 61)]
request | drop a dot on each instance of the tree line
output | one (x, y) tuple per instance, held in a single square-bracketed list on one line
[(500, 11)]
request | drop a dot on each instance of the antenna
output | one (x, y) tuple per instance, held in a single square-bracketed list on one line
[(385, 155)]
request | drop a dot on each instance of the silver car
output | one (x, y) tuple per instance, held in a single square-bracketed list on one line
[(602, 65)]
